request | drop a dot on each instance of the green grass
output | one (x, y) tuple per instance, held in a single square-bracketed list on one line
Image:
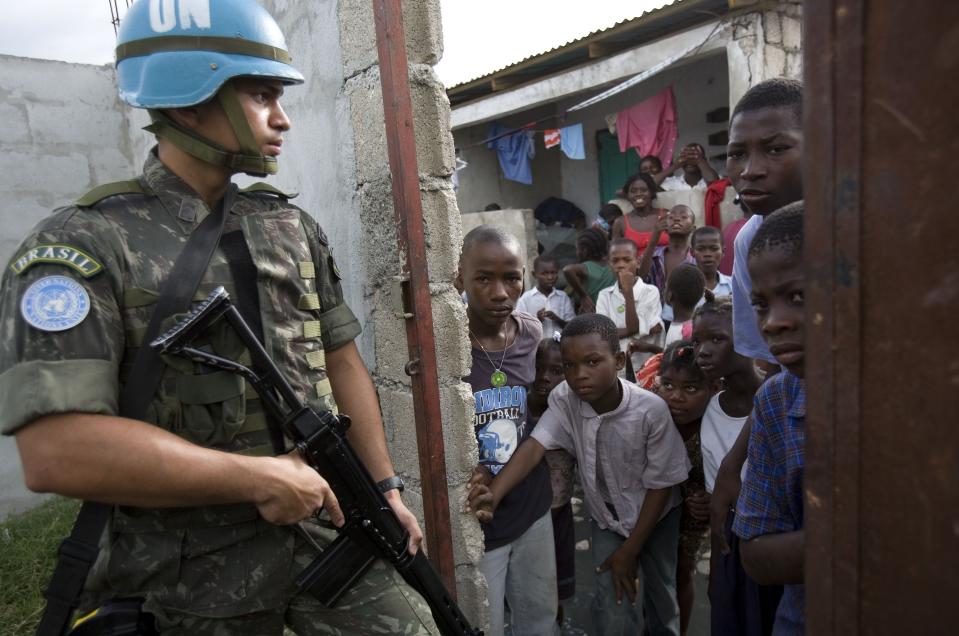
[(28, 547)]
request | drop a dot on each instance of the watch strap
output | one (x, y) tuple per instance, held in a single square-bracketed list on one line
[(390, 483)]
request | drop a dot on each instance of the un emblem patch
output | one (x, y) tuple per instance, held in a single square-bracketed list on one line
[(55, 303)]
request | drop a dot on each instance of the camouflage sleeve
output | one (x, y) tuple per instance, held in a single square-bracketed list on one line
[(61, 336), (339, 324)]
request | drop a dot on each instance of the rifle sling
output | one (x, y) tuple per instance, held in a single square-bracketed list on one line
[(79, 551)]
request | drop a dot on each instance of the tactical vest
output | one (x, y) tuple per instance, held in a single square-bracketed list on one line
[(215, 408)]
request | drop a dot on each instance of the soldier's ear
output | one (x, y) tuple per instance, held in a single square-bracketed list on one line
[(188, 116), (458, 281)]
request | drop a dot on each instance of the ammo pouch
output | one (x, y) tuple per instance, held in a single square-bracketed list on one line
[(116, 617)]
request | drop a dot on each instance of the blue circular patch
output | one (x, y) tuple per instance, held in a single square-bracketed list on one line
[(55, 303)]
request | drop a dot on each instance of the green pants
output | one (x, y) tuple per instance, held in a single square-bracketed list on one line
[(380, 603), (259, 582)]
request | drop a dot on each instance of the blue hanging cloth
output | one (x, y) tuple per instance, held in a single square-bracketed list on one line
[(571, 141), (514, 152)]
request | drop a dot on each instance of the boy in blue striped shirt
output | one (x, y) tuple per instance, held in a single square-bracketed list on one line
[(769, 513)]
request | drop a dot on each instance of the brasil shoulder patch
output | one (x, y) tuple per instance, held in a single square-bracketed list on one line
[(59, 254)]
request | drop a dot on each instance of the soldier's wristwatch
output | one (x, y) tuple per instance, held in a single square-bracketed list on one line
[(390, 483)]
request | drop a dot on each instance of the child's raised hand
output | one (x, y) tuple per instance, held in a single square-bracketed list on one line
[(622, 566), (626, 280), (662, 224), (640, 346), (697, 505)]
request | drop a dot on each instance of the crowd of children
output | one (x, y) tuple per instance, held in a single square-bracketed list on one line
[(711, 438)]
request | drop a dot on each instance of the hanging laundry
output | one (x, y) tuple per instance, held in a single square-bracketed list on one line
[(551, 137), (651, 126), (715, 193), (457, 166), (513, 151), (611, 123), (571, 141)]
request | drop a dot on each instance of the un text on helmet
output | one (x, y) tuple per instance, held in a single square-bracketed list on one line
[(165, 13)]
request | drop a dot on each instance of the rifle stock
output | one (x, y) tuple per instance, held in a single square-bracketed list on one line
[(372, 530)]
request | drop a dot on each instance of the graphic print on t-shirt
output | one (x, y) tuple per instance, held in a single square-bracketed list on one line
[(500, 424)]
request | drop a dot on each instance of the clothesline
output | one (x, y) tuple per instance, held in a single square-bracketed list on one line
[(636, 79), (524, 128)]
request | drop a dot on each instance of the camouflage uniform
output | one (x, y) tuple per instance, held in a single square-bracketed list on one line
[(215, 569)]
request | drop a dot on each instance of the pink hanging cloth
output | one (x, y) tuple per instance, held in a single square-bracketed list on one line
[(651, 126)]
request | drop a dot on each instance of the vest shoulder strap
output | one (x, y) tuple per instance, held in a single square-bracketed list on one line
[(101, 192), (261, 187)]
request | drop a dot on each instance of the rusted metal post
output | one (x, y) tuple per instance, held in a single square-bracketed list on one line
[(401, 147), (880, 478), (833, 179)]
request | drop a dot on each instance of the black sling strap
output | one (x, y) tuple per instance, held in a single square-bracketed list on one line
[(79, 551)]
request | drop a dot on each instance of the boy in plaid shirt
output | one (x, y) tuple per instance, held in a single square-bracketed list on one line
[(769, 513)]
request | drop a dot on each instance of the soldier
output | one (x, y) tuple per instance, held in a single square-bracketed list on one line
[(203, 513)]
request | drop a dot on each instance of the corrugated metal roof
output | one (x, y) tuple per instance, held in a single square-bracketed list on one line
[(628, 33), (561, 46)]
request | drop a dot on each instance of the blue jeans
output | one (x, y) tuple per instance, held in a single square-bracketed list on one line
[(657, 583), (523, 572)]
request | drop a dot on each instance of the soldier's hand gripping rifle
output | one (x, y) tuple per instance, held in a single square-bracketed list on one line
[(371, 529)]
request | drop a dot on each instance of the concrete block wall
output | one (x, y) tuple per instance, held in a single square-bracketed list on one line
[(763, 45), (62, 131), (361, 90)]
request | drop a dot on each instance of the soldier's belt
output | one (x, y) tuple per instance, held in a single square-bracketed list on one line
[(126, 519)]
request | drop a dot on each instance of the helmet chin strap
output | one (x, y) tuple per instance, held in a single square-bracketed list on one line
[(249, 160)]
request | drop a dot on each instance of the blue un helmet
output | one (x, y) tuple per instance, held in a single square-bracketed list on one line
[(179, 53)]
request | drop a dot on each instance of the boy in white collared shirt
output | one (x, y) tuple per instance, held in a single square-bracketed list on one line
[(632, 305), (630, 458), (707, 247), (552, 306)]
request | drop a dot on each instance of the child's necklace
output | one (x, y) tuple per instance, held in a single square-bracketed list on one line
[(498, 377)]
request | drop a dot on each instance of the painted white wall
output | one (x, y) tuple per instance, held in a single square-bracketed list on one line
[(699, 86), (318, 159)]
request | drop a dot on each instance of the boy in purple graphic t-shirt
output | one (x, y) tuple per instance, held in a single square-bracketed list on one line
[(519, 562)]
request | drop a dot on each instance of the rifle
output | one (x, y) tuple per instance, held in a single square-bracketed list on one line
[(371, 529)]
